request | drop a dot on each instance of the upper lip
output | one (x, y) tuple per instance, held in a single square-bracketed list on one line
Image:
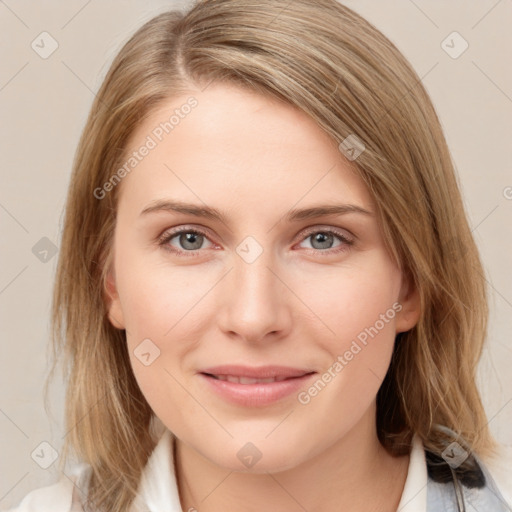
[(256, 372)]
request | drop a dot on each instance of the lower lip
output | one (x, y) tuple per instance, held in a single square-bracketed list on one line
[(255, 395)]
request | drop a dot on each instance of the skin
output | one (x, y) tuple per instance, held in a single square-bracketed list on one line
[(297, 305)]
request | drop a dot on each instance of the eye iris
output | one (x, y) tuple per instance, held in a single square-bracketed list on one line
[(192, 241), (191, 238), (324, 240)]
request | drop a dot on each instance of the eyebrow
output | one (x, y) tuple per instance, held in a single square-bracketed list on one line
[(214, 214)]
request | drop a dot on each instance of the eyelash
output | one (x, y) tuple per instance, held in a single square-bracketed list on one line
[(164, 239)]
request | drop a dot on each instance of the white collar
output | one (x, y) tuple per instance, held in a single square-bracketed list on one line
[(414, 495), (158, 489)]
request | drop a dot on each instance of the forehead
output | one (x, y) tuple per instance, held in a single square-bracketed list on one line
[(236, 149)]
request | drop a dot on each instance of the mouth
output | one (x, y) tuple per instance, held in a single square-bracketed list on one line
[(248, 380), (252, 387)]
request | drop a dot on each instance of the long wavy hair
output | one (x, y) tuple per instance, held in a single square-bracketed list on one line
[(336, 67)]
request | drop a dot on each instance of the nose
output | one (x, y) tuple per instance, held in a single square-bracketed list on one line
[(256, 303)]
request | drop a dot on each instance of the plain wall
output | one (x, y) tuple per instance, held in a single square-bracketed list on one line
[(43, 107)]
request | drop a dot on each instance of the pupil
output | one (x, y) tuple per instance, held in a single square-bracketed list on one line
[(192, 239), (322, 240)]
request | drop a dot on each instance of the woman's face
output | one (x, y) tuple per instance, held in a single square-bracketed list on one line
[(273, 283)]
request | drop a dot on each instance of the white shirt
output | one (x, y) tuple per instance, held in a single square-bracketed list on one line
[(158, 490)]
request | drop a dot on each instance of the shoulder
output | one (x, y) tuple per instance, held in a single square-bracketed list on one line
[(63, 496), (500, 468)]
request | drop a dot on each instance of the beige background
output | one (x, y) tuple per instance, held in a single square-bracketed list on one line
[(44, 103)]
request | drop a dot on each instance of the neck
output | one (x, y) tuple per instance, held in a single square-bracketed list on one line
[(356, 473)]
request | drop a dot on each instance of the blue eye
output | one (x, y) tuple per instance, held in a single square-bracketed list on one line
[(323, 240), (189, 242)]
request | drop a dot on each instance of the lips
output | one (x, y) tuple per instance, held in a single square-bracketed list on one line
[(249, 380), (253, 375), (255, 386)]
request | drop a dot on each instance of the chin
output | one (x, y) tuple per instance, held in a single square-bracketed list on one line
[(257, 458)]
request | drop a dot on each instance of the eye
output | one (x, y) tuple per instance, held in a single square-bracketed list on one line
[(322, 240), (188, 242), (185, 240)]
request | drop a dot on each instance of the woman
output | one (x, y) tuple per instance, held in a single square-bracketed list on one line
[(268, 293)]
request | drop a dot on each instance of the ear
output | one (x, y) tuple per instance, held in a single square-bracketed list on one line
[(410, 301), (115, 312)]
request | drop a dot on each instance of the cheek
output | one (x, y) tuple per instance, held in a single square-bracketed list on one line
[(164, 310), (358, 307), (157, 300), (159, 315), (349, 301), (159, 338)]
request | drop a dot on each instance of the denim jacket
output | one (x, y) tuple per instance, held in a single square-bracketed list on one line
[(449, 490)]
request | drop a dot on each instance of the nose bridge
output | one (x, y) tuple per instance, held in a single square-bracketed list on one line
[(255, 304)]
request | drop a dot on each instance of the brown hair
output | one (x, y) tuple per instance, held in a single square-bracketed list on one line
[(341, 71)]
